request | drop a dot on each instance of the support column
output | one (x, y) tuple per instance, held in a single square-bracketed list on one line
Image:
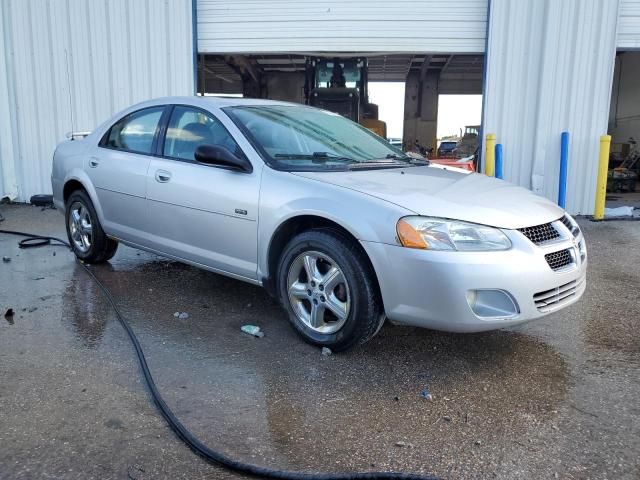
[(420, 110)]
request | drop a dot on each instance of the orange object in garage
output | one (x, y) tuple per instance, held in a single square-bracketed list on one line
[(464, 163)]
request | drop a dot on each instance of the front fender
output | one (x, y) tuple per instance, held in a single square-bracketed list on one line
[(284, 196)]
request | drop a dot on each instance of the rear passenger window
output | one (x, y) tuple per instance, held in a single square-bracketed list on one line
[(135, 132), (189, 128)]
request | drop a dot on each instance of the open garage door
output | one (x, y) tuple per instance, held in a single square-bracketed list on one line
[(624, 128), (285, 77), (246, 26)]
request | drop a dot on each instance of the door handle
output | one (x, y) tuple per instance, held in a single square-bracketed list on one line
[(163, 176), (94, 162)]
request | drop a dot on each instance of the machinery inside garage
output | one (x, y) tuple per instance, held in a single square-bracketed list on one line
[(315, 79)]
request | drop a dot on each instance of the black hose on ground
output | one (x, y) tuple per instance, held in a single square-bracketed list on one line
[(210, 455)]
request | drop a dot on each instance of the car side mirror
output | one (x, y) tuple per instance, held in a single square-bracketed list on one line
[(221, 157)]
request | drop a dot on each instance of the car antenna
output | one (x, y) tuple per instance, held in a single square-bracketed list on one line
[(66, 59)]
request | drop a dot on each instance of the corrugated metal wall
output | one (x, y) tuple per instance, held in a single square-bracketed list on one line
[(550, 69), (629, 25), (81, 60), (273, 26)]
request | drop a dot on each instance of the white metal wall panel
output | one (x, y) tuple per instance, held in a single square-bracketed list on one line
[(81, 60), (550, 69), (408, 26), (629, 25)]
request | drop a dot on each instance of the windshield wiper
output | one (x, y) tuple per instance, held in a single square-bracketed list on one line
[(316, 157), (409, 159)]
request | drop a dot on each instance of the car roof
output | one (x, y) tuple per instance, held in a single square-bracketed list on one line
[(206, 102), (213, 101)]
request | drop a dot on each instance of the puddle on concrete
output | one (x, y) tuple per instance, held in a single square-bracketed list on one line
[(276, 399), (84, 310)]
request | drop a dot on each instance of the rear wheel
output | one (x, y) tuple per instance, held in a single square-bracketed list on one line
[(329, 290), (88, 241)]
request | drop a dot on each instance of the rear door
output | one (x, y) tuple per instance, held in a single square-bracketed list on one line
[(198, 212), (118, 170)]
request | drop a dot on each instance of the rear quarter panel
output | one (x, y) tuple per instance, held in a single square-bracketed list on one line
[(69, 162)]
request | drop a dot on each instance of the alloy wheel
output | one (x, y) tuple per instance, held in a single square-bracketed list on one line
[(318, 292), (80, 226)]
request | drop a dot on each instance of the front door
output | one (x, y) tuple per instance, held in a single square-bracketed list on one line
[(198, 212)]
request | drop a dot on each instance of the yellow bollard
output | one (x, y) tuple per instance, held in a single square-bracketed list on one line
[(490, 155), (603, 168)]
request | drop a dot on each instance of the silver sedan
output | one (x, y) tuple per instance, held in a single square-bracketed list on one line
[(343, 228)]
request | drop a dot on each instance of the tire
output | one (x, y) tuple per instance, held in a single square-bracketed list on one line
[(88, 241), (349, 310)]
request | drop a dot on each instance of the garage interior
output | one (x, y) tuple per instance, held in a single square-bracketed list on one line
[(624, 128), (282, 77)]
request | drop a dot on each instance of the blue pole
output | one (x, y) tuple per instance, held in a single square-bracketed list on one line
[(564, 160), (499, 160)]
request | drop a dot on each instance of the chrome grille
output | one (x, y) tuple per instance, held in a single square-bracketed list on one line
[(540, 233), (550, 300), (558, 260)]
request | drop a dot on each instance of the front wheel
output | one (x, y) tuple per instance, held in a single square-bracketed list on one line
[(329, 289), (88, 241)]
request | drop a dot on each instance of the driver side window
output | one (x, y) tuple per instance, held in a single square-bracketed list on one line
[(189, 128)]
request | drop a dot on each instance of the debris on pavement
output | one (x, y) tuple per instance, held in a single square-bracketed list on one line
[(426, 395), (181, 315), (6, 259), (252, 330), (446, 418), (8, 316), (326, 351), (404, 444), (134, 471)]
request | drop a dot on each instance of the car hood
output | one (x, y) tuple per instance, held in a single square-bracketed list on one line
[(439, 192)]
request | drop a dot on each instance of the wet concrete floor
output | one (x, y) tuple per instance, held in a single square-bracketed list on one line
[(557, 398)]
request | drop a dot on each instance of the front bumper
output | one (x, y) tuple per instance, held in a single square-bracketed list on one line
[(431, 288)]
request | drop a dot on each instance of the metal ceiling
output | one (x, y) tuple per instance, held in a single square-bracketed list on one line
[(222, 77)]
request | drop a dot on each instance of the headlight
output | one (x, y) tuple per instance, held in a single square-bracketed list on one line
[(440, 234)]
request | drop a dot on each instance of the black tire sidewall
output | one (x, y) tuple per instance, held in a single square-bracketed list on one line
[(361, 288)]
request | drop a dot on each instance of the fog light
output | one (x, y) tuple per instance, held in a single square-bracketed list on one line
[(492, 303)]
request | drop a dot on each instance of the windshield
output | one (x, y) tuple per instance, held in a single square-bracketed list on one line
[(292, 137)]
